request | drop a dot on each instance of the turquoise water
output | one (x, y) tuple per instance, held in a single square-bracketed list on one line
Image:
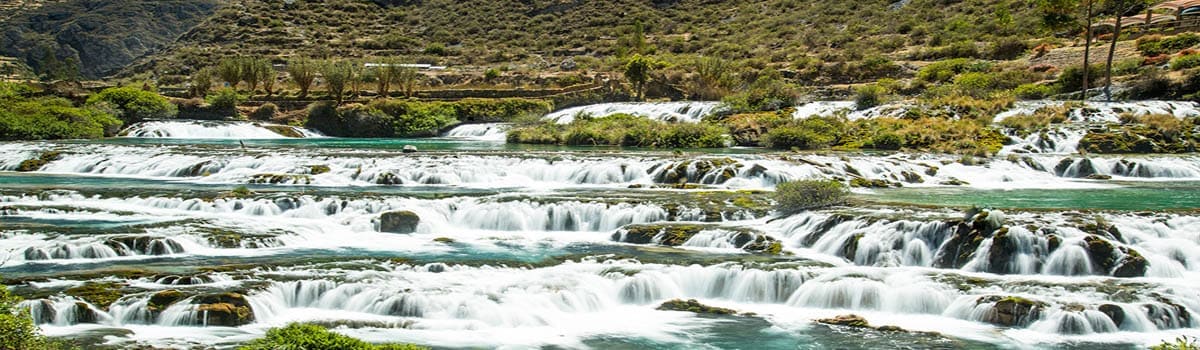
[(506, 258)]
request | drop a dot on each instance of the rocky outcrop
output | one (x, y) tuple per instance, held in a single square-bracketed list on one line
[(674, 235), (225, 310), (161, 300), (1011, 311), (691, 305), (401, 221)]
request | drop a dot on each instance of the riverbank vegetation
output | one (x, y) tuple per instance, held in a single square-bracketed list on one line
[(308, 336), (17, 330), (411, 118), (621, 130), (25, 114)]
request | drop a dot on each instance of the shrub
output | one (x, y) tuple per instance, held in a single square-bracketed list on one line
[(225, 99), (767, 93), (1181, 343), (808, 133), (1033, 91), (1151, 83), (797, 196), (53, 118), (868, 96), (1154, 45), (307, 336), (622, 130), (133, 104), (1071, 78), (265, 112), (944, 71), (17, 330), (1006, 48), (1185, 62)]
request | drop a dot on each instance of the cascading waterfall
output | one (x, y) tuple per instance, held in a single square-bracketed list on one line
[(480, 132), (676, 112), (213, 130), (296, 168)]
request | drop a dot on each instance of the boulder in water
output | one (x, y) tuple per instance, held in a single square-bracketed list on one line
[(225, 309), (409, 149), (100, 294), (691, 305), (1114, 313), (1011, 311), (1133, 264), (85, 314), (400, 221), (850, 320), (161, 300)]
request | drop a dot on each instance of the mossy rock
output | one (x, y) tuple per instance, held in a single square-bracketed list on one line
[(36, 164), (100, 294), (274, 179), (284, 130), (691, 305), (854, 321), (224, 309), (1011, 311), (161, 300), (400, 221), (868, 183), (444, 240), (318, 169)]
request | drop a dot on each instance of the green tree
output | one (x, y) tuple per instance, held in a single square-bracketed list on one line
[(17, 330), (637, 71), (201, 82), (1061, 14), (254, 71), (302, 71), (133, 104), (267, 76), (405, 78), (1119, 9), (229, 70), (337, 74)]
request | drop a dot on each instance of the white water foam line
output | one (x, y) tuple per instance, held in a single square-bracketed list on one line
[(195, 129), (479, 132)]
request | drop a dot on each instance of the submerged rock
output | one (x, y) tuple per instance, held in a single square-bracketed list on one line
[(409, 149), (401, 221), (675, 235), (691, 305)]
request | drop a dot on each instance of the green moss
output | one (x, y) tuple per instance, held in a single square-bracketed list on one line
[(318, 169), (100, 294), (691, 305), (161, 300)]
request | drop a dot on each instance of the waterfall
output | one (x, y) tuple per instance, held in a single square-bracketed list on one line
[(673, 112), (194, 129), (480, 132)]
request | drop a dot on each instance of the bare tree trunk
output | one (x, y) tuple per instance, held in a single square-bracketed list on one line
[(1087, 49), (1112, 49)]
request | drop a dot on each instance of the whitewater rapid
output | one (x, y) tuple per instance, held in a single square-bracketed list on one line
[(197, 129)]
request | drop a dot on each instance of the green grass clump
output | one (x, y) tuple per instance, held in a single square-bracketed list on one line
[(797, 196), (307, 336), (622, 130)]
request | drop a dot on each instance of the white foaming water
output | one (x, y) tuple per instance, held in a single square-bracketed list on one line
[(891, 240), (480, 132), (833, 108), (1107, 112), (675, 112), (194, 129), (415, 302), (294, 167), (1057, 140)]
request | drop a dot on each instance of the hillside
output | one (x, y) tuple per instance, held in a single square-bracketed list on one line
[(834, 41), (93, 38)]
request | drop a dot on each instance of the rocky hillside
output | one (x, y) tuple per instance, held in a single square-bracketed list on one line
[(94, 38), (534, 34)]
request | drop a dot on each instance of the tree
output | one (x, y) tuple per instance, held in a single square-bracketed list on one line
[(337, 74), (302, 72), (358, 71), (1061, 14), (267, 76), (1120, 8), (201, 82), (253, 71), (383, 76), (134, 104), (230, 71), (637, 71), (406, 79), (17, 330)]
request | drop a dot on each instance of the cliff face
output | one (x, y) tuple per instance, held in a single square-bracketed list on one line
[(97, 37)]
